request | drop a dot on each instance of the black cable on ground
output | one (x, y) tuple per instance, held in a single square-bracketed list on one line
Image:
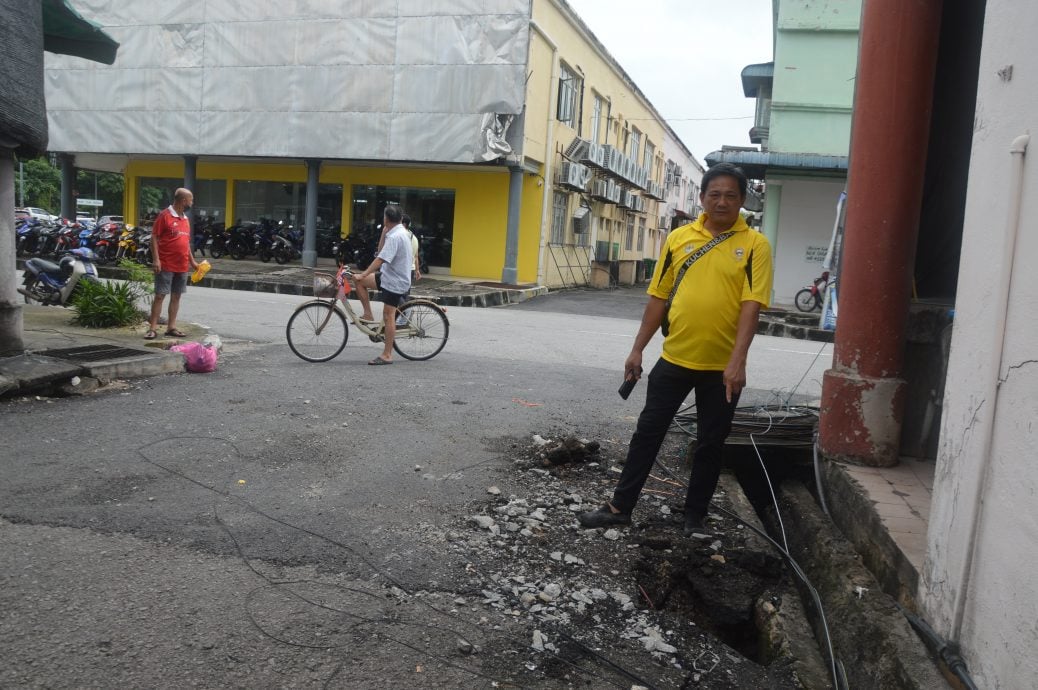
[(944, 650)]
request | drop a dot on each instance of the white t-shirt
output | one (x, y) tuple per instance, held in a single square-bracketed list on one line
[(398, 261)]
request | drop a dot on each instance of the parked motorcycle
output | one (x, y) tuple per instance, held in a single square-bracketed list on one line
[(26, 236), (143, 252), (106, 244), (217, 242), (127, 248), (46, 282), (283, 246), (240, 241), (811, 297)]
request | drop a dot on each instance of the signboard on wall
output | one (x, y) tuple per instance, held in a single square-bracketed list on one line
[(815, 254)]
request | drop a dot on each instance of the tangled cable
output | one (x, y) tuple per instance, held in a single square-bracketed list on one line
[(780, 425)]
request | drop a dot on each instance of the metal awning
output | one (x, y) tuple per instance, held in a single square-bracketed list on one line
[(756, 163), (755, 76), (66, 32)]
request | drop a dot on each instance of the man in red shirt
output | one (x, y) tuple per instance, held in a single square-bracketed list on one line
[(172, 261)]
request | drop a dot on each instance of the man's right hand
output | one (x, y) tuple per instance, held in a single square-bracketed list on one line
[(157, 267)]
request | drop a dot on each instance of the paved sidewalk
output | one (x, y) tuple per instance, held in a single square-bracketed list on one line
[(294, 279)]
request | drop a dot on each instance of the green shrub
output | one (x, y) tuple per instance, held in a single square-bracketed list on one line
[(140, 274), (107, 305)]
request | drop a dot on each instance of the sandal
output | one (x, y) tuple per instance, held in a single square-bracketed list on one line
[(151, 334), (378, 361), (174, 333)]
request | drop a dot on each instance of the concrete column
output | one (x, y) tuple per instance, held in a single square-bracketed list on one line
[(772, 215), (10, 301), (510, 272), (190, 172), (863, 394), (190, 177), (313, 176), (68, 185)]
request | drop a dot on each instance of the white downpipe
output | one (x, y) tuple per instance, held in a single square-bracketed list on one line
[(1017, 150), (549, 154)]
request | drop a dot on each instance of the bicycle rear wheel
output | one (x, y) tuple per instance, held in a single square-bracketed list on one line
[(425, 333), (317, 331), (806, 300)]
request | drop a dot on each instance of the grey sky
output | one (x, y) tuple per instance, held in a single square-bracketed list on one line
[(686, 56)]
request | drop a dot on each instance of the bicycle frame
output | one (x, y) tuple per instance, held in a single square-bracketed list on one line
[(374, 332)]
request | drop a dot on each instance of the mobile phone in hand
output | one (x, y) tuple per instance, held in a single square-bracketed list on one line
[(627, 387)]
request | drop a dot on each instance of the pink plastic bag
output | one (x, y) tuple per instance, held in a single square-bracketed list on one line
[(199, 358)]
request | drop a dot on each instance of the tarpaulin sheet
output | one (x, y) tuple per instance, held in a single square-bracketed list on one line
[(374, 79)]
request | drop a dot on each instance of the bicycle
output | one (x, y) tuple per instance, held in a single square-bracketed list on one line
[(317, 330)]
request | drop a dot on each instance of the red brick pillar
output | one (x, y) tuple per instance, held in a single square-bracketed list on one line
[(863, 394)]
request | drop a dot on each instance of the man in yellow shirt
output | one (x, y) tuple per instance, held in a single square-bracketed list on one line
[(712, 319)]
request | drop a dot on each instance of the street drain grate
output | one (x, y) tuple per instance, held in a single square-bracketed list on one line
[(93, 353)]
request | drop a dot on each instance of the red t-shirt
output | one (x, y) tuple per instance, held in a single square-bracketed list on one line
[(171, 235)]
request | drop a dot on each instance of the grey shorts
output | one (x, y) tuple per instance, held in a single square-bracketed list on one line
[(168, 282)]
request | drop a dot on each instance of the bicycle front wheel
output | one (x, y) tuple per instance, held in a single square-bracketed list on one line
[(317, 331), (425, 332)]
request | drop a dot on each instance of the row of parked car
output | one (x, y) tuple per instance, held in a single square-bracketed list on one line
[(82, 217)]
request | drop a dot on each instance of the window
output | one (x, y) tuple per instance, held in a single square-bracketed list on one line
[(636, 144), (558, 218), (596, 118), (629, 234), (569, 87), (649, 160), (431, 211), (641, 235), (156, 193)]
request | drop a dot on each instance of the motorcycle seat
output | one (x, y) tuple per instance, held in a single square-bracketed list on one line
[(43, 266)]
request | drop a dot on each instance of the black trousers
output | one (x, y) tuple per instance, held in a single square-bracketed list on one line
[(669, 385)]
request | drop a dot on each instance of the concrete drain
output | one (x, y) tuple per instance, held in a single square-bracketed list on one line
[(719, 593), (93, 353)]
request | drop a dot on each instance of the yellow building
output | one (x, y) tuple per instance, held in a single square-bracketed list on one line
[(517, 144)]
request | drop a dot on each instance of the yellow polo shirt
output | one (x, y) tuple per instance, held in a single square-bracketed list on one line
[(704, 316)]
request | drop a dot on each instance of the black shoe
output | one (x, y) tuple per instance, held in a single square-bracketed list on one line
[(603, 516), (693, 525)]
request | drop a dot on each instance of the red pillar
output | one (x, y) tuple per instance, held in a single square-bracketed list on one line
[(863, 394)]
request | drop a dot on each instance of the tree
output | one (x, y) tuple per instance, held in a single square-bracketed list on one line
[(108, 187), (42, 185)]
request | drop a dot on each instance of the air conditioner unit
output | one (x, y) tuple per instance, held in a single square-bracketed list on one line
[(625, 199), (595, 156), (664, 223), (637, 203), (577, 149), (643, 178), (600, 189), (615, 192), (574, 176), (629, 169), (609, 157)]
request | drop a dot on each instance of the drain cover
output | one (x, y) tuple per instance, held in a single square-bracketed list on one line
[(93, 353)]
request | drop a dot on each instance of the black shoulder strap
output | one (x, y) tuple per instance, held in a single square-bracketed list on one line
[(696, 256)]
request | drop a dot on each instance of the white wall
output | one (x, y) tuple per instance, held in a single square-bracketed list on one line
[(805, 227), (989, 434)]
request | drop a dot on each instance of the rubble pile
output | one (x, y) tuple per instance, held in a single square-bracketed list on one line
[(633, 595)]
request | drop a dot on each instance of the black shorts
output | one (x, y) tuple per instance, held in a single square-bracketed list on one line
[(393, 299)]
